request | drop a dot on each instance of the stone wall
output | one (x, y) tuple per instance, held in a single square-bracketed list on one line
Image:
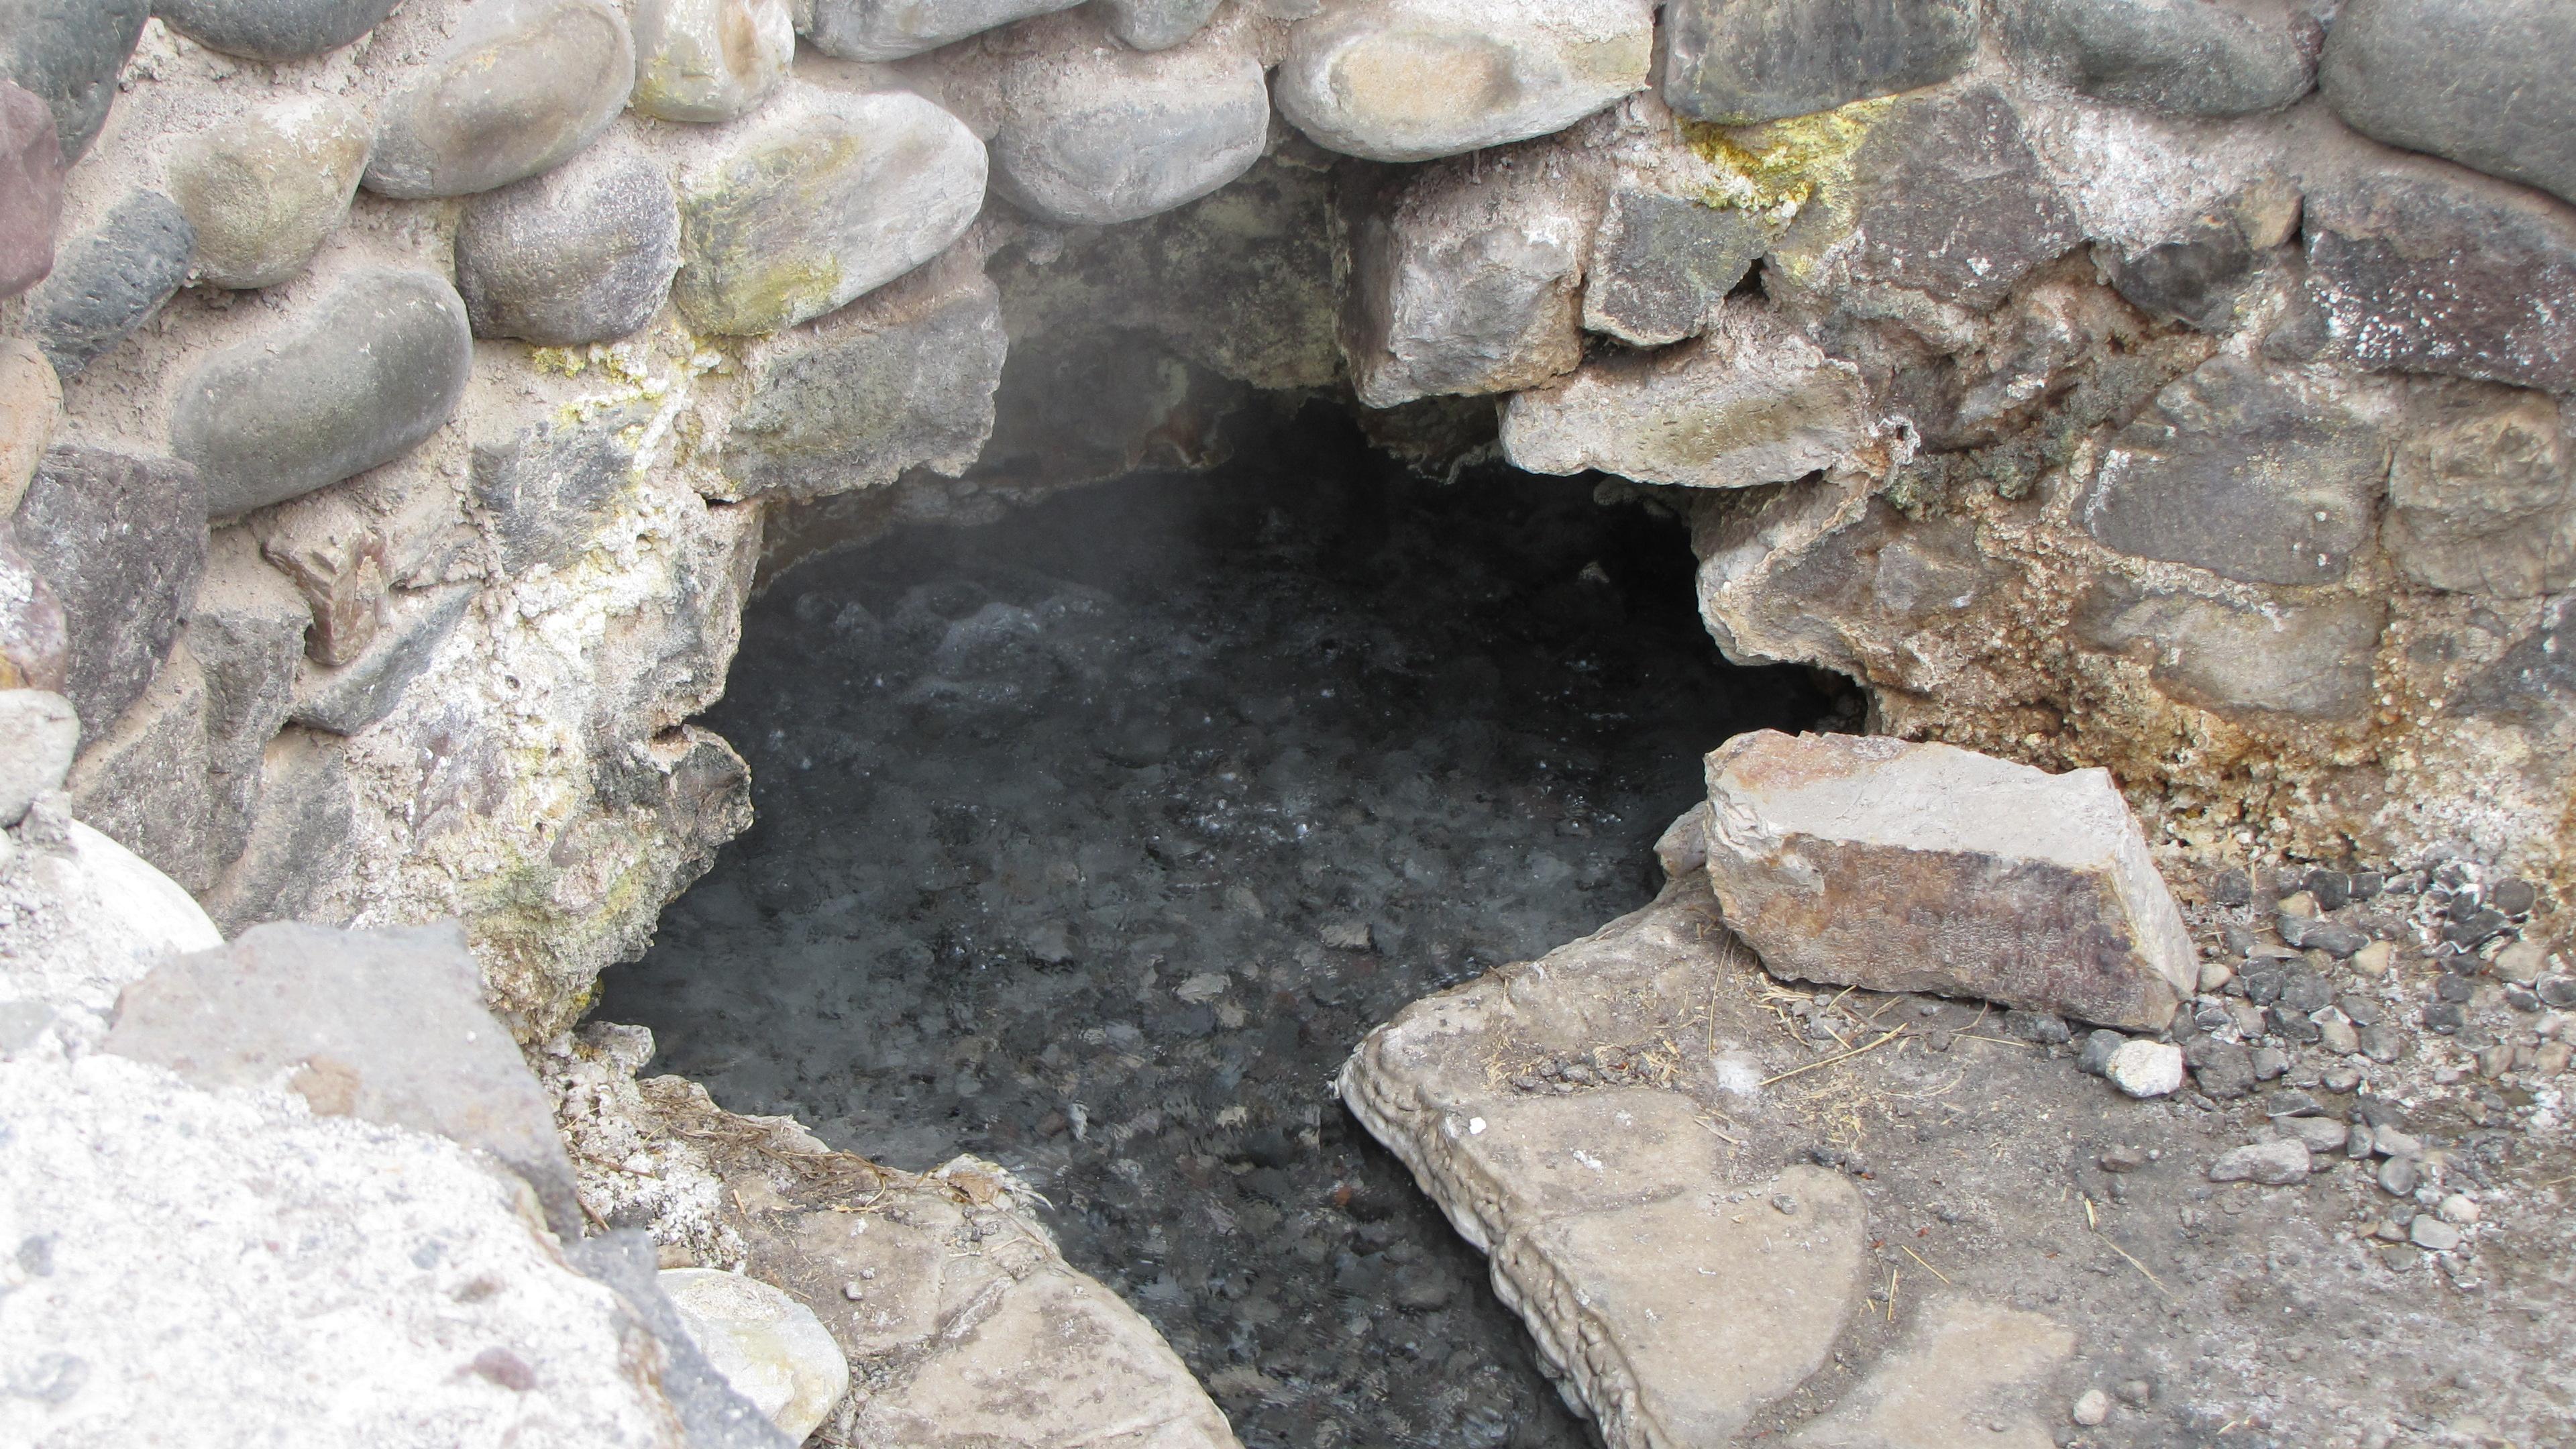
[(393, 397)]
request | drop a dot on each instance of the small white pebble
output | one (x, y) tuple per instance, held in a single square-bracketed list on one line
[(2092, 1408), (2457, 1208)]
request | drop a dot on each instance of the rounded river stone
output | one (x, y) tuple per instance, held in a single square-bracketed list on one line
[(68, 52), (894, 29), (273, 29), (369, 371), (1157, 24), (1409, 80), (1094, 133), (266, 190), (810, 212), (709, 60), (525, 85), (111, 281), (2480, 82), (581, 254)]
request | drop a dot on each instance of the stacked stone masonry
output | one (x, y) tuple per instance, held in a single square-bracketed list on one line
[(392, 397)]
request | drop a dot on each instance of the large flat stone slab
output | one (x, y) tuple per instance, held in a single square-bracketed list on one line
[(1924, 867)]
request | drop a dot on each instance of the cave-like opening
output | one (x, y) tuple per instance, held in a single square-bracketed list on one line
[(1091, 840)]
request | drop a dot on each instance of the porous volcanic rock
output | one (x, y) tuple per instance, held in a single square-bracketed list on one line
[(1411, 80), (523, 86), (122, 542), (1924, 867)]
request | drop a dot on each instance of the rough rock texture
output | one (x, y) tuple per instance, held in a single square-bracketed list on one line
[(1743, 406), (121, 542), (356, 379), (265, 191), (769, 1348), (1466, 278), (1922, 867), (43, 731), (1411, 80), (523, 86), (247, 630), (1739, 61), (31, 399), (145, 780), (35, 647), (2309, 659), (898, 383), (583, 253), (2475, 82), (713, 1415), (85, 917), (820, 206), (392, 1290), (961, 1297), (1661, 265), (388, 1027), (110, 282), (1157, 24), (273, 29), (895, 29), (67, 52), (2482, 496), (2424, 268), (1092, 133), (346, 698), (1685, 1287), (710, 60), (2233, 58)]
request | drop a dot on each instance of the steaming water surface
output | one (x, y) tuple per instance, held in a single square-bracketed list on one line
[(1093, 840)]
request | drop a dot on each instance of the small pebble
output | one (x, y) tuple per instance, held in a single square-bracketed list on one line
[(1785, 1203), (2397, 1175), (2433, 1235), (2144, 1068), (2273, 1164), (2458, 1208), (2092, 1407)]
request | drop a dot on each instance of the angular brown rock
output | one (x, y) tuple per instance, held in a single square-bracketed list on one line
[(1897, 866)]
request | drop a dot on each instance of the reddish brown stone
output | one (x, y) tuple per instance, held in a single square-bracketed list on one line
[(31, 189)]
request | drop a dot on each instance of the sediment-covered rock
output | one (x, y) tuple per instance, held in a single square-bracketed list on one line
[(1924, 867), (122, 542), (1467, 278), (1091, 133), (1157, 24), (351, 379), (43, 731), (348, 697), (821, 206), (1740, 61), (2306, 659), (1411, 80), (2477, 81), (2482, 495), (273, 29), (583, 253), (523, 86), (86, 917), (710, 60), (110, 282), (31, 400), (1747, 404), (2194, 57), (266, 190)]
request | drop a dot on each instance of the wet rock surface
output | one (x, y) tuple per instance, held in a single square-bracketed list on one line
[(1139, 807)]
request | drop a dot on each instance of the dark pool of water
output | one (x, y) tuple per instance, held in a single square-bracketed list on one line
[(1093, 840)]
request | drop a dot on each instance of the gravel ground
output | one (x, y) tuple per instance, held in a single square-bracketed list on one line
[(1092, 840)]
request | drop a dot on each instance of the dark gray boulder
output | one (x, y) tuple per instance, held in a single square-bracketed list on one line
[(247, 630), (297, 844), (273, 29), (1740, 61), (2194, 57), (2482, 82), (143, 782), (121, 542), (2420, 267), (524, 86), (583, 253), (1661, 265), (69, 53), (111, 282), (384, 1026), (356, 380), (2257, 477)]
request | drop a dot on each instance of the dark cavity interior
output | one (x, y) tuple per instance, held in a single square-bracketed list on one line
[(1091, 841)]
